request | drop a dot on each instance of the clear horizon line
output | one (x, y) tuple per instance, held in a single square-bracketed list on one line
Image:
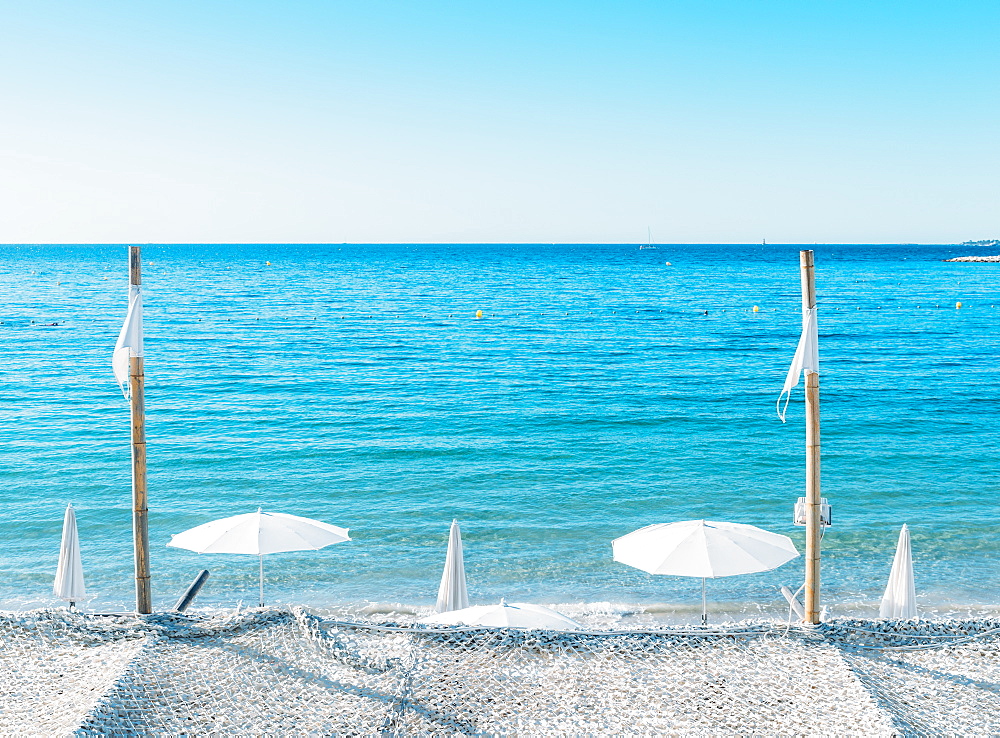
[(493, 243)]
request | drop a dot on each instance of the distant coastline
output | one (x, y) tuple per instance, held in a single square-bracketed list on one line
[(986, 243)]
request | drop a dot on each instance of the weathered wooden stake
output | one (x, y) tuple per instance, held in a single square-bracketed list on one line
[(140, 510), (813, 528)]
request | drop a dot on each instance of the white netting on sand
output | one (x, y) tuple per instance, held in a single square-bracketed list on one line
[(288, 672)]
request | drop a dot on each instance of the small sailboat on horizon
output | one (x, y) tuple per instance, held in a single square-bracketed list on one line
[(649, 240)]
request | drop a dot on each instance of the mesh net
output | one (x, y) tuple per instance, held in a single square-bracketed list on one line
[(288, 672)]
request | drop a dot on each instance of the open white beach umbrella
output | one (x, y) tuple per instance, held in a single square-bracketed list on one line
[(703, 548), (69, 572), (507, 615), (900, 598), (453, 594), (258, 534)]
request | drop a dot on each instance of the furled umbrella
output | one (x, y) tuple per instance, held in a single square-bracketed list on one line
[(69, 573), (506, 615), (900, 598), (258, 534), (453, 593), (705, 549)]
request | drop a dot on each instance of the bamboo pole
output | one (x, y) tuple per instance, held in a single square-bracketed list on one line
[(813, 528), (140, 510)]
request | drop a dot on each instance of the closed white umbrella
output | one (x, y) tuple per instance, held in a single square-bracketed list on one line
[(260, 533), (703, 548), (69, 572), (453, 593), (507, 615), (900, 598)]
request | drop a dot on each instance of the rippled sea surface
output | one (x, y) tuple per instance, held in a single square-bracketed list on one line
[(602, 390)]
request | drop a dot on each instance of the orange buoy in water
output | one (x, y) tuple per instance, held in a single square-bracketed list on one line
[(756, 309), (958, 305), (479, 313)]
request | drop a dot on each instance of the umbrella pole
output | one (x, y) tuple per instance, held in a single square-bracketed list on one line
[(813, 528), (704, 604), (140, 509), (261, 579)]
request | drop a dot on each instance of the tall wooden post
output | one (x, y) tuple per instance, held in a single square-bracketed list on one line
[(140, 510), (813, 526)]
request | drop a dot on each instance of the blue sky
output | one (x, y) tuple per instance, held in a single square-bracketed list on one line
[(472, 122)]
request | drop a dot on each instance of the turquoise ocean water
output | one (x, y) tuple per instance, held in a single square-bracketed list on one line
[(353, 383)]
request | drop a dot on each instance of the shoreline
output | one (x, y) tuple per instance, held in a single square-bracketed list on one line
[(597, 614)]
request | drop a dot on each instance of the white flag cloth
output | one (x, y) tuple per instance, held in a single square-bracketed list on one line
[(453, 594), (130, 339), (69, 573), (900, 598), (806, 359)]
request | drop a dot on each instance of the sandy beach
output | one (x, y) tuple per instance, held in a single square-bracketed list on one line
[(287, 671)]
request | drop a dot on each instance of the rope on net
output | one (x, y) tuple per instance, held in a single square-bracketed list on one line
[(287, 671)]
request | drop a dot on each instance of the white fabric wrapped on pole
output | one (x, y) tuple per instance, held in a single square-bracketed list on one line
[(806, 359), (453, 593), (129, 342), (69, 573), (900, 598)]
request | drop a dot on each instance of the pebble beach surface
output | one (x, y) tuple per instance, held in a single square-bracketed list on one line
[(287, 671)]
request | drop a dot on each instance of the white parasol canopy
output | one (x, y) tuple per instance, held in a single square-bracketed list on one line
[(69, 572), (507, 615), (900, 598), (260, 533), (703, 548), (453, 593)]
